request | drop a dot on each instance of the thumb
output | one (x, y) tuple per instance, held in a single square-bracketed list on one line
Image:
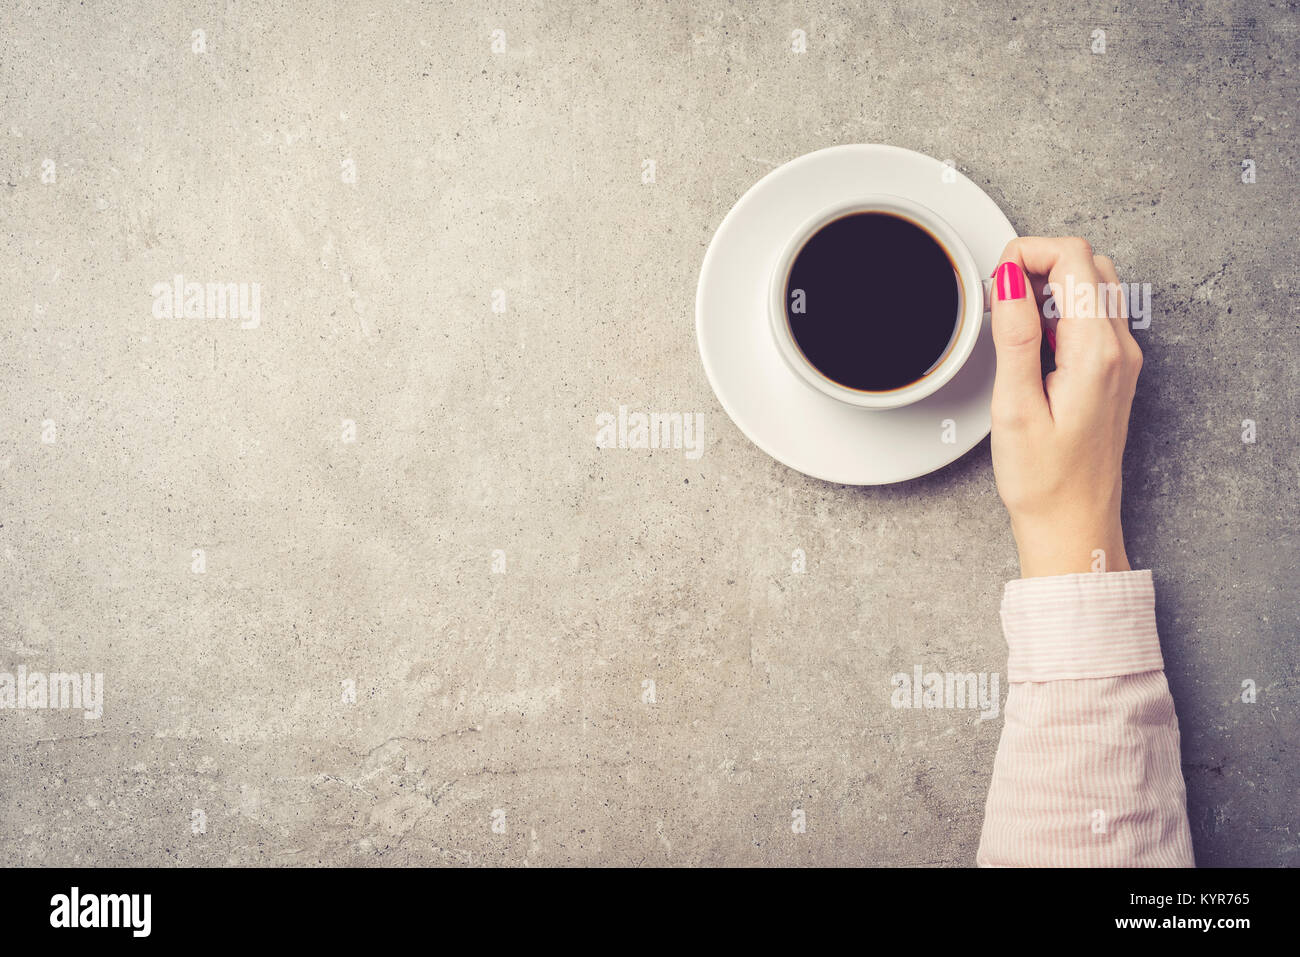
[(1017, 338)]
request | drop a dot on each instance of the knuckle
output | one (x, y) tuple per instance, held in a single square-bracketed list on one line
[(1008, 415), (1015, 338), (1111, 357), (1080, 245)]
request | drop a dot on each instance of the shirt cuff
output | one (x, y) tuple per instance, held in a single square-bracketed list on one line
[(1091, 625)]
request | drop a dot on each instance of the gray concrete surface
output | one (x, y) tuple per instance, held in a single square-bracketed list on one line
[(371, 561)]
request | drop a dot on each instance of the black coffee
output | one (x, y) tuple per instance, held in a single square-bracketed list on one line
[(872, 301)]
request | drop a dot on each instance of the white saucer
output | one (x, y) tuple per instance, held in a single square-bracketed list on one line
[(782, 415)]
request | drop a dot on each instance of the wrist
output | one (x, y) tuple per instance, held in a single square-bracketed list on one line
[(1063, 550)]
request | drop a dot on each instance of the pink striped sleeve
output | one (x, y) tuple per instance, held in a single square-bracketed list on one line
[(1087, 773)]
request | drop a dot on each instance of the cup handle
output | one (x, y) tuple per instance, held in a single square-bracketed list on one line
[(988, 296)]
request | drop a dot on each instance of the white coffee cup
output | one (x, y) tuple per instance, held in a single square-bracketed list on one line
[(974, 302)]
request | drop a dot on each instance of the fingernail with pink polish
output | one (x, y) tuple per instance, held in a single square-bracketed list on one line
[(1010, 282)]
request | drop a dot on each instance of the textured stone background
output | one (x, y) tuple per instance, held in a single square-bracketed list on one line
[(371, 561)]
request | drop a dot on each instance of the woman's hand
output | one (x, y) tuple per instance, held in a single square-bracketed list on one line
[(1058, 445)]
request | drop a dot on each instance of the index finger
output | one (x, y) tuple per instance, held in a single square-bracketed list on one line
[(1069, 266), (1057, 257)]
